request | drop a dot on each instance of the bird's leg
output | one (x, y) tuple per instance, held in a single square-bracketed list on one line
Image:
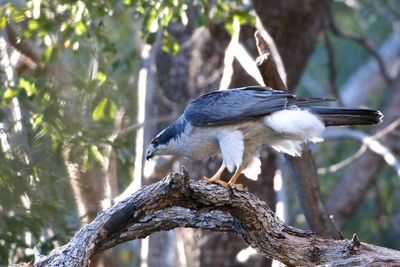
[(235, 176), (216, 178)]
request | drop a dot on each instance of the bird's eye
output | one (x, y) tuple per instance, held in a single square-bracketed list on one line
[(155, 142)]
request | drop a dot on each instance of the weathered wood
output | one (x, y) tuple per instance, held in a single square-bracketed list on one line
[(266, 64), (178, 202)]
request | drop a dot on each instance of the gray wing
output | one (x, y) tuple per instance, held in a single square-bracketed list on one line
[(234, 105)]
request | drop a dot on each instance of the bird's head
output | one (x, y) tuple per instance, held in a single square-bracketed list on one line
[(167, 142), (156, 148)]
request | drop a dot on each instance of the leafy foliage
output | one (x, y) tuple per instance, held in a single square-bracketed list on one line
[(70, 99)]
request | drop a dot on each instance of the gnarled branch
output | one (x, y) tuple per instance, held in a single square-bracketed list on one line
[(176, 201)]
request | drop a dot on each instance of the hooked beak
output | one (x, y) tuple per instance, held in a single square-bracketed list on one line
[(149, 153)]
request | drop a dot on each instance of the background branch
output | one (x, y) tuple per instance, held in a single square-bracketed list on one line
[(363, 173), (364, 42), (371, 142)]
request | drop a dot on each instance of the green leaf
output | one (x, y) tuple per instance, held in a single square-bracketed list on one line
[(80, 28), (27, 85), (85, 161), (101, 77), (111, 109), (3, 22), (36, 120), (95, 153), (99, 111), (229, 26), (168, 15), (18, 16), (106, 109), (10, 93), (47, 53), (33, 25), (170, 44), (150, 21)]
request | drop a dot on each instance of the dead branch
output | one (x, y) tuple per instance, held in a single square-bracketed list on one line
[(266, 64), (176, 201)]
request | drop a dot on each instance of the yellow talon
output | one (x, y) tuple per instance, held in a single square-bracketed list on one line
[(216, 178), (215, 181), (235, 176)]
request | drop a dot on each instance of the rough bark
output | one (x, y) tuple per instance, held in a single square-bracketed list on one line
[(350, 191), (178, 202)]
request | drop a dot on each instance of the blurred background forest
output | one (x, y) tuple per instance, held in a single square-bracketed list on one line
[(86, 84)]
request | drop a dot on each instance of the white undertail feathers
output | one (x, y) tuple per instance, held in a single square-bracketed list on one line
[(299, 126)]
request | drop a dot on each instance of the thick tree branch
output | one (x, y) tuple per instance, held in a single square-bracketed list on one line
[(173, 217), (178, 202)]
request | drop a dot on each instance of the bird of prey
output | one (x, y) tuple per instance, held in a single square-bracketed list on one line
[(236, 122)]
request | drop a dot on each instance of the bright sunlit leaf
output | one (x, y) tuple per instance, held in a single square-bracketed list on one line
[(48, 53), (80, 28), (3, 22), (99, 111), (10, 93), (95, 153), (36, 120), (106, 109), (101, 77), (33, 25), (170, 44), (85, 161), (27, 85)]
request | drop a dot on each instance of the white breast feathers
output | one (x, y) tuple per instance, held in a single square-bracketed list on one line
[(232, 147)]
